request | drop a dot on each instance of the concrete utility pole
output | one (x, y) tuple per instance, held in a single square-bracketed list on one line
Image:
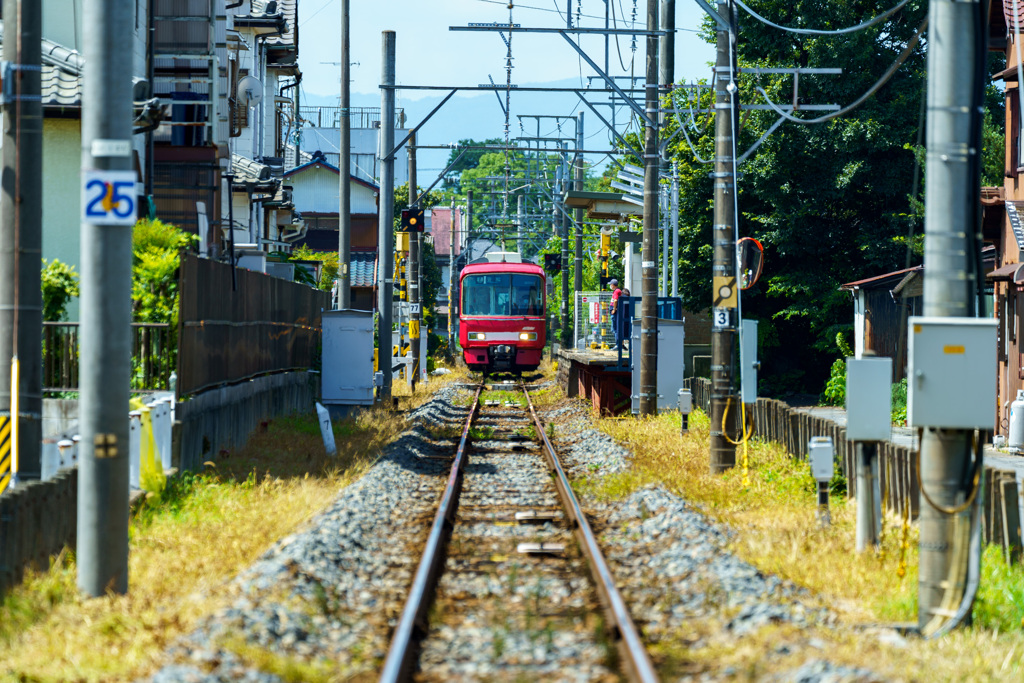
[(952, 130), (649, 304), (577, 282), (725, 298), (102, 551), (415, 243), (674, 214), (520, 220), (345, 169), (563, 227), (451, 278), (21, 302), (385, 226), (667, 57)]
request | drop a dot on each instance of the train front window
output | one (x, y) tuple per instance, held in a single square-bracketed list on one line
[(502, 294)]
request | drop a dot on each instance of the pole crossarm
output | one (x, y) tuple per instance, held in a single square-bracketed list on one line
[(519, 28), (610, 127), (637, 109), (391, 154)]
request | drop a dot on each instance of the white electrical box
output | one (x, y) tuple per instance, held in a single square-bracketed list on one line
[(821, 455), (671, 363), (749, 364), (348, 377), (685, 401), (868, 399), (952, 372)]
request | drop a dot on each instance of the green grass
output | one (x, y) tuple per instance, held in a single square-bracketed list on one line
[(1000, 602)]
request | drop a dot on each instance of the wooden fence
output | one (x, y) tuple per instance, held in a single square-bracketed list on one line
[(236, 326)]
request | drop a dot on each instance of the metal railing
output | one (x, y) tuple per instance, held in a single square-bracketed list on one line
[(360, 117), (154, 356), (593, 325)]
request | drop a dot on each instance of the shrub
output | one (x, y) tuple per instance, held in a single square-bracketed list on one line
[(60, 285)]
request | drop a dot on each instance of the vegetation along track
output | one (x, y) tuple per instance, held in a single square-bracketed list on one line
[(502, 590)]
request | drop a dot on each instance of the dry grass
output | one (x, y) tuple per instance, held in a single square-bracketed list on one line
[(773, 514), (184, 552)]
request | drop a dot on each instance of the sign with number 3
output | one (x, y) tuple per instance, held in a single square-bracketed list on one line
[(108, 197)]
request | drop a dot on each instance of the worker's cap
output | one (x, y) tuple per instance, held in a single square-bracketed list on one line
[(613, 281)]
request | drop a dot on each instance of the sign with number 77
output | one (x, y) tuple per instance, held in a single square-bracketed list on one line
[(109, 197)]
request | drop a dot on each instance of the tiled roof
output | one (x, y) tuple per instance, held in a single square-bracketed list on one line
[(363, 268), (289, 10), (61, 74), (247, 170)]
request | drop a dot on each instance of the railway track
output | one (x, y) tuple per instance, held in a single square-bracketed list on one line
[(511, 584)]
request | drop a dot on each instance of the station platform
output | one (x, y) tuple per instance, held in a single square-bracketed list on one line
[(597, 375)]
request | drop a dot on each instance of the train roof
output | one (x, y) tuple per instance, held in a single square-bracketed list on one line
[(481, 266)]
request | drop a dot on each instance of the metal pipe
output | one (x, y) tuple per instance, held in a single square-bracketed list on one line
[(21, 314), (102, 548), (385, 226), (725, 294), (674, 214), (451, 278), (563, 228), (649, 265)]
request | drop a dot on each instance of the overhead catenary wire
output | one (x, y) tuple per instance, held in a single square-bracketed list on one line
[(824, 32), (907, 51)]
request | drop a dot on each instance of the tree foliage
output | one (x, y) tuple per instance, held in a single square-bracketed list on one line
[(830, 202), (156, 248), (462, 160), (60, 285)]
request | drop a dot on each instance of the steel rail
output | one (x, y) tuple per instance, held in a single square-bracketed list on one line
[(634, 654), (400, 658)]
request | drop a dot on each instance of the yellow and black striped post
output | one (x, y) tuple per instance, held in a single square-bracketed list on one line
[(6, 464)]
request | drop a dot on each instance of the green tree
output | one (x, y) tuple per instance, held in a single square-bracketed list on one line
[(462, 159), (828, 201), (156, 248), (60, 285), (328, 266)]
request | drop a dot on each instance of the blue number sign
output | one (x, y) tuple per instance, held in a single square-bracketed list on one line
[(108, 197)]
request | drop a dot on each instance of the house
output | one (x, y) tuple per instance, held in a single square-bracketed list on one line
[(321, 131), (1001, 224), (315, 192), (439, 226), (62, 68), (881, 306)]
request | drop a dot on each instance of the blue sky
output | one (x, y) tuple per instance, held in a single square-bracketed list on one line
[(428, 53)]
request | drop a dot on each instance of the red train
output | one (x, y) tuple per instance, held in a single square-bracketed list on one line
[(502, 316)]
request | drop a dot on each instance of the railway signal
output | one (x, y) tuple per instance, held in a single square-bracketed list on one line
[(553, 263), (412, 220)]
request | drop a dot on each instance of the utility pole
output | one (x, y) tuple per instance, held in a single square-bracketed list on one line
[(563, 225), (649, 304), (951, 167), (345, 168), (451, 278), (385, 226), (674, 215), (577, 284), (667, 61), (21, 315), (102, 550), (415, 242), (725, 298), (520, 220), (666, 78)]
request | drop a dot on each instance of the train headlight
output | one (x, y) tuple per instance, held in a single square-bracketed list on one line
[(527, 336), (477, 336)]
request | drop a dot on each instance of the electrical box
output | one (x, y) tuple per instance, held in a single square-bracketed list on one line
[(952, 372), (868, 399), (348, 377), (749, 364), (685, 401), (821, 455), (671, 363)]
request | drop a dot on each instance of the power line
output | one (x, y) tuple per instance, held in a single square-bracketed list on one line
[(821, 32)]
